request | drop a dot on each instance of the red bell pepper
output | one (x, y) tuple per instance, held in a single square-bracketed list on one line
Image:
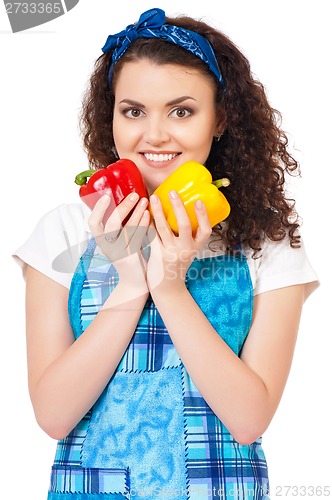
[(117, 181)]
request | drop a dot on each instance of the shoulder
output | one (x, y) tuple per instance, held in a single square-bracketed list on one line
[(279, 265), (56, 243), (66, 216), (61, 227)]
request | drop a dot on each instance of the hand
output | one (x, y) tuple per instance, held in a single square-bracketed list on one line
[(122, 243), (172, 255)]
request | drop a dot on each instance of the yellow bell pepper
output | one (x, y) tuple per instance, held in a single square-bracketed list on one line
[(192, 181)]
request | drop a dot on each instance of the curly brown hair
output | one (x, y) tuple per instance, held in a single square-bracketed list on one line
[(252, 152)]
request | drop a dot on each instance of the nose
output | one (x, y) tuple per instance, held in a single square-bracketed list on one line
[(156, 131)]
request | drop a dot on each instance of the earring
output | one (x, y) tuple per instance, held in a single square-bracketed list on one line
[(218, 137), (114, 151)]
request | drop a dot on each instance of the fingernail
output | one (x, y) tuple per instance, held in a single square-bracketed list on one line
[(133, 197), (173, 194), (143, 202), (199, 204), (153, 199), (105, 199)]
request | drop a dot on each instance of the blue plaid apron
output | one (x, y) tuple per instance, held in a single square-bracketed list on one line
[(151, 434)]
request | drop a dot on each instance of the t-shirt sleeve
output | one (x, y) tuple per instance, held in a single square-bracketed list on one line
[(56, 244), (280, 265)]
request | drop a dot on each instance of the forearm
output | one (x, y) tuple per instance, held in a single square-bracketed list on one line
[(73, 382), (235, 393)]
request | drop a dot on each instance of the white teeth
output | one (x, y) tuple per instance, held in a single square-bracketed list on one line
[(160, 157)]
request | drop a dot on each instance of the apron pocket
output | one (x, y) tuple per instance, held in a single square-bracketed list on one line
[(85, 496), (82, 484)]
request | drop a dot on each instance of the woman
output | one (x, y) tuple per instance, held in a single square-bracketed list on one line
[(173, 358)]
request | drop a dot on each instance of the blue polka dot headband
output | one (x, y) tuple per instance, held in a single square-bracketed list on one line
[(151, 24)]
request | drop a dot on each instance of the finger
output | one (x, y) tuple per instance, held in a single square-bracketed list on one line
[(139, 234), (131, 226), (160, 222), (149, 237), (138, 212), (114, 222), (204, 229), (95, 220), (156, 270), (182, 219)]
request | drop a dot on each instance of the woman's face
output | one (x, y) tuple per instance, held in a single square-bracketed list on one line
[(164, 115)]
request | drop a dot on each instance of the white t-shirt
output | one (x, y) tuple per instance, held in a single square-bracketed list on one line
[(61, 236)]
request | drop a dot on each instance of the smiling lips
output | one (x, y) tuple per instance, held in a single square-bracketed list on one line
[(160, 157)]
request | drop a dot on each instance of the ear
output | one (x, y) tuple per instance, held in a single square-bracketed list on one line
[(221, 123)]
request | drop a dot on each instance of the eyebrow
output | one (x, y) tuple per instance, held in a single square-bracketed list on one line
[(178, 100)]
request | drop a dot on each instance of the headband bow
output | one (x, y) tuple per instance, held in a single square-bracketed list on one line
[(152, 24)]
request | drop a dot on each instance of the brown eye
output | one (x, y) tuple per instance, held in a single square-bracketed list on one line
[(135, 113), (132, 112), (181, 112)]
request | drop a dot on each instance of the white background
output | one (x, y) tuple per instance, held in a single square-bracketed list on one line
[(43, 75)]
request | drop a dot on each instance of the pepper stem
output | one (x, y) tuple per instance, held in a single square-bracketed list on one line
[(221, 182), (81, 178)]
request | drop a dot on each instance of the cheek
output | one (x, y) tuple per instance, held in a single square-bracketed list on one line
[(202, 148), (203, 139), (201, 132), (123, 136), (195, 136), (116, 131)]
